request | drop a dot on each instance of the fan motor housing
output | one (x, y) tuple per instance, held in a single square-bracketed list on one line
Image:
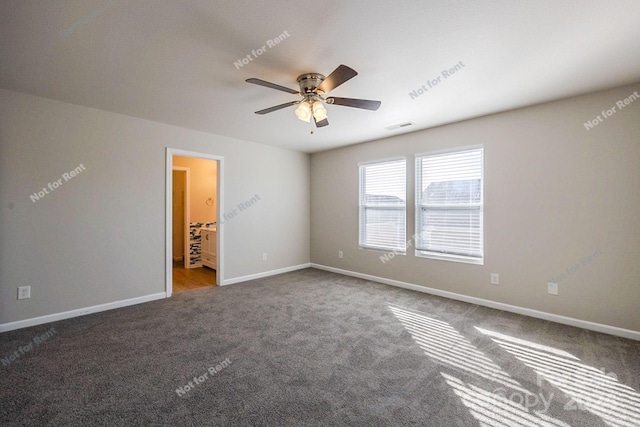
[(309, 82)]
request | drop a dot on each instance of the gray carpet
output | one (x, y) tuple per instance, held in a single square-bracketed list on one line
[(315, 348)]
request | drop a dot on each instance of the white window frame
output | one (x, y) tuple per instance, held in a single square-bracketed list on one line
[(363, 206), (425, 253)]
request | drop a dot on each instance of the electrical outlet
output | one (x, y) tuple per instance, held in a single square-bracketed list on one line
[(340, 254), (24, 292), (495, 279), (552, 288), (264, 256)]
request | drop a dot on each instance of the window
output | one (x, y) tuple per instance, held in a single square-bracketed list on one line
[(449, 205), (383, 205)]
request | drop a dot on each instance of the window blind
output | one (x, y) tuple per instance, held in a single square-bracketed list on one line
[(449, 204), (383, 205)]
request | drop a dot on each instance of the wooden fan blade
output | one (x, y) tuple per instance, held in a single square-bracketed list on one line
[(356, 103), (276, 108), (272, 86), (336, 78)]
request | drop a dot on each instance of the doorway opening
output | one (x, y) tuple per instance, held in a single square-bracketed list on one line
[(194, 237)]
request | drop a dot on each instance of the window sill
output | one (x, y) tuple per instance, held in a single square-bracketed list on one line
[(449, 257), (383, 250)]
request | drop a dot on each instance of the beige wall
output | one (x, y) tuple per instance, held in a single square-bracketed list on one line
[(202, 186), (100, 236), (555, 193)]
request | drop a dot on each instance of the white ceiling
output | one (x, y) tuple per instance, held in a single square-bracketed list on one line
[(173, 61)]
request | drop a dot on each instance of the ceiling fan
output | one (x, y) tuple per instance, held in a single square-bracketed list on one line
[(313, 88)]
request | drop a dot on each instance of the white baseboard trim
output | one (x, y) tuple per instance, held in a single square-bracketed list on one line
[(19, 324), (265, 274), (598, 327)]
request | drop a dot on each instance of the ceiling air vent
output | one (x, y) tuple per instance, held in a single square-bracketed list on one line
[(399, 125)]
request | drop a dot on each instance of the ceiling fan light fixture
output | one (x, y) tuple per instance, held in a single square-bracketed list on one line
[(313, 87), (303, 112), (319, 112)]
